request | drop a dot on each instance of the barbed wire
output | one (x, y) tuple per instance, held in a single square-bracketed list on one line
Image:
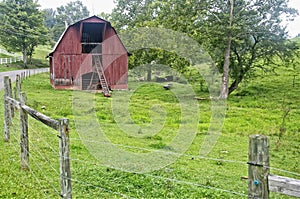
[(174, 180), (187, 155), (43, 139), (149, 175), (84, 183), (160, 177), (197, 185), (282, 170), (37, 150), (166, 152), (31, 171)]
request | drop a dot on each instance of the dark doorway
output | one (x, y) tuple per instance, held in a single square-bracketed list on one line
[(90, 81), (92, 37)]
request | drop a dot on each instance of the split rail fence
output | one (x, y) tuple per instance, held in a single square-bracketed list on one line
[(260, 181), (61, 125)]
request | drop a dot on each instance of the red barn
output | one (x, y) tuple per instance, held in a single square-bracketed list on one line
[(89, 55)]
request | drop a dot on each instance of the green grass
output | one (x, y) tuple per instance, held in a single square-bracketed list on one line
[(38, 60), (256, 108)]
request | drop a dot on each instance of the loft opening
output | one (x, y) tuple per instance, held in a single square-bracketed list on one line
[(92, 37)]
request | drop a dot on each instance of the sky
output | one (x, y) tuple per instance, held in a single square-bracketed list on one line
[(98, 6)]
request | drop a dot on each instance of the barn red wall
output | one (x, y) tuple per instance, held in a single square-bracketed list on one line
[(115, 59)]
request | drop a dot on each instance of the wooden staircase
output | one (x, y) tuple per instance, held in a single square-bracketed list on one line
[(98, 68)]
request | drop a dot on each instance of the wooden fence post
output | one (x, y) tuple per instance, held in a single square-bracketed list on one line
[(64, 147), (18, 86), (258, 169), (7, 114), (24, 134), (10, 94)]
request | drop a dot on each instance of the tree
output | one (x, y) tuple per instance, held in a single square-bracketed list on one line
[(259, 41), (249, 31), (23, 26), (50, 22), (136, 13), (225, 77), (50, 15), (68, 14)]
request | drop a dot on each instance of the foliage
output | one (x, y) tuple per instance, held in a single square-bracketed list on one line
[(50, 20), (68, 14), (134, 14), (259, 40), (23, 27)]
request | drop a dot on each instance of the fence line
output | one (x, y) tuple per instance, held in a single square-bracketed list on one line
[(259, 182), (32, 173), (9, 60), (60, 125), (12, 59), (51, 148), (32, 155), (171, 179), (165, 152), (101, 188)]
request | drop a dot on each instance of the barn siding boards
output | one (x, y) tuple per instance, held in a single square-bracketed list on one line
[(68, 64)]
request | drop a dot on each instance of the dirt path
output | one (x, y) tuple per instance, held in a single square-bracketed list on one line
[(12, 74)]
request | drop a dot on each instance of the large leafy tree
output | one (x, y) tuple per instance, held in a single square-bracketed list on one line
[(254, 33), (68, 14), (50, 20), (134, 14), (241, 36), (22, 27)]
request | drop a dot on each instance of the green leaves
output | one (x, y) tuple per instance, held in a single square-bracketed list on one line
[(259, 39), (23, 26), (68, 14)]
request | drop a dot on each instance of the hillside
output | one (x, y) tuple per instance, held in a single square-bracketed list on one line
[(258, 107)]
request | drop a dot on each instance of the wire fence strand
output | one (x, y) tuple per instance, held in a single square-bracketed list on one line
[(37, 152), (166, 152), (84, 183), (32, 155)]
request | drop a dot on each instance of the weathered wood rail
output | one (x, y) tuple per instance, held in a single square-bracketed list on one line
[(61, 125), (260, 181)]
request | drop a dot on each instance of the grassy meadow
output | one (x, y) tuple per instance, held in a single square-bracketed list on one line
[(258, 107), (38, 60)]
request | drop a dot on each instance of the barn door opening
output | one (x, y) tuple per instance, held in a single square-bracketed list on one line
[(92, 37), (90, 81)]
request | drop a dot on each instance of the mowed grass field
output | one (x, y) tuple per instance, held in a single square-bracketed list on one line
[(258, 107), (38, 60)]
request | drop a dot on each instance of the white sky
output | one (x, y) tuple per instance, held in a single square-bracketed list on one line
[(94, 6), (98, 6)]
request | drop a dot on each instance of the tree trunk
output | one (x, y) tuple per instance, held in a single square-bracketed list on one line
[(233, 86), (225, 79), (24, 52), (149, 73)]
